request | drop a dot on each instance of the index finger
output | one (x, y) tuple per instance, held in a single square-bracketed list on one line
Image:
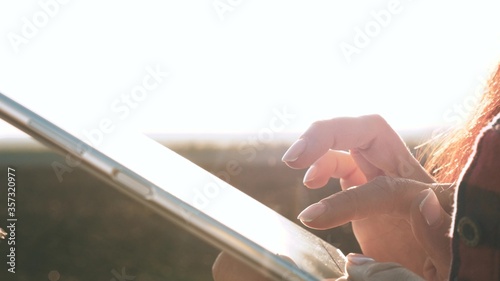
[(369, 135)]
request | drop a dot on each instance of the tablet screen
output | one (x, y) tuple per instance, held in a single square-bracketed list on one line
[(192, 197)]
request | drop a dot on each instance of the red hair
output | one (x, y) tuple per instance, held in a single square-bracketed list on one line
[(447, 155)]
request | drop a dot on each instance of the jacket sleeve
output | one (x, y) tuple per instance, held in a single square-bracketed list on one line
[(476, 227)]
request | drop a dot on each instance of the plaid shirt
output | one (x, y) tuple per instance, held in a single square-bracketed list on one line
[(476, 235)]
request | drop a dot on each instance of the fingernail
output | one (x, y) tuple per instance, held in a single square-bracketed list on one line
[(358, 259), (294, 151), (430, 208), (287, 259), (310, 174), (312, 212)]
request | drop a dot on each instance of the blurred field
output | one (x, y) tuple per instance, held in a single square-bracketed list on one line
[(80, 229)]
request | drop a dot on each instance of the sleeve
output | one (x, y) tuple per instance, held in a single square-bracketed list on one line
[(476, 226)]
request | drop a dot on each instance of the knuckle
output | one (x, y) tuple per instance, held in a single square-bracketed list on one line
[(388, 187), (395, 190), (318, 133), (375, 119), (381, 126), (393, 184), (388, 271), (376, 268), (318, 123), (319, 126), (386, 183)]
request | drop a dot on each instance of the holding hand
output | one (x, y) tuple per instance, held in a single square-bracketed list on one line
[(362, 268)]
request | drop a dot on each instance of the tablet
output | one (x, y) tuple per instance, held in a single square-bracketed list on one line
[(190, 196)]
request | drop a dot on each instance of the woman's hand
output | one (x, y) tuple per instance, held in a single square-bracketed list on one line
[(375, 147), (362, 268), (359, 268), (229, 268), (395, 206)]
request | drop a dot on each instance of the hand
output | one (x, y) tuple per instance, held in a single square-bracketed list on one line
[(395, 208), (228, 268), (359, 268), (425, 246), (374, 146), (362, 268)]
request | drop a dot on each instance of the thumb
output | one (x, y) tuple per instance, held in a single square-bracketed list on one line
[(229, 268), (362, 268), (431, 226)]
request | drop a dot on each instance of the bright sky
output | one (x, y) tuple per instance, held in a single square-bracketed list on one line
[(237, 66)]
